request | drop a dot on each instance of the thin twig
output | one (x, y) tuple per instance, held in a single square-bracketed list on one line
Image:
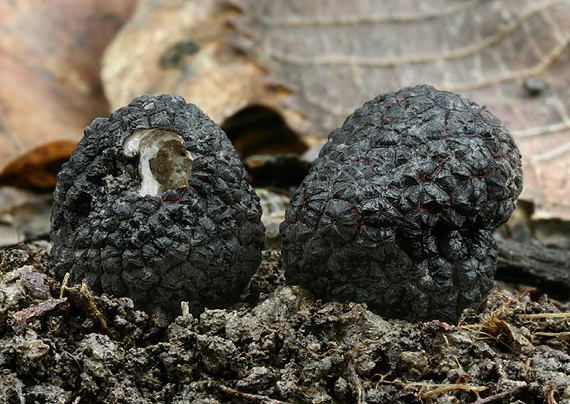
[(552, 334), (256, 397), (544, 315), (495, 397), (450, 387)]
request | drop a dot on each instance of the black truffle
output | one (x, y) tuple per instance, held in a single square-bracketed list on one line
[(398, 209), (155, 204)]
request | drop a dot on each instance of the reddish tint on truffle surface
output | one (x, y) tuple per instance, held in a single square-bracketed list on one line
[(397, 211)]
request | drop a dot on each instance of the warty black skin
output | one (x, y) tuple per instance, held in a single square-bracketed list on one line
[(398, 209), (199, 243)]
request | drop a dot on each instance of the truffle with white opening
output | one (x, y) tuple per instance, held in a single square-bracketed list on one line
[(155, 204)]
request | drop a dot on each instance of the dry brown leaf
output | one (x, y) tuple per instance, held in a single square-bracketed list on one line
[(49, 69), (213, 73), (316, 61)]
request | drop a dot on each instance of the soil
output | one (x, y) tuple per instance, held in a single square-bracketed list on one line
[(65, 345)]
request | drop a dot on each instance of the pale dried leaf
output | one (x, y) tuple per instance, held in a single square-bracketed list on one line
[(213, 75)]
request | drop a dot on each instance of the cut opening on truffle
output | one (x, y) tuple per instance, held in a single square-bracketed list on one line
[(164, 162)]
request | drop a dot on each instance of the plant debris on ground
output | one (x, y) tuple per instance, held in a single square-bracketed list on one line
[(61, 344)]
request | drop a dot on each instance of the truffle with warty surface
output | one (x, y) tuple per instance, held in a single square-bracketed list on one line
[(155, 204), (397, 210)]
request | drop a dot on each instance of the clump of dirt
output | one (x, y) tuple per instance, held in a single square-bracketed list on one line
[(65, 345)]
